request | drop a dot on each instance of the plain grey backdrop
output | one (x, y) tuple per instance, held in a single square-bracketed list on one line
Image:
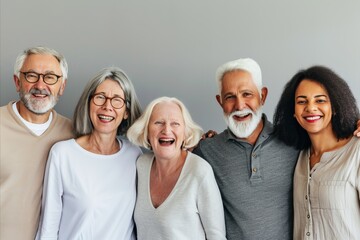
[(173, 48)]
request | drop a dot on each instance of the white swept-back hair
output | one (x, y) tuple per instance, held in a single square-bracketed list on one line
[(245, 64), (43, 51)]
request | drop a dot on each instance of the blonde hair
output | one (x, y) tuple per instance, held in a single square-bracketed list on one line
[(138, 132)]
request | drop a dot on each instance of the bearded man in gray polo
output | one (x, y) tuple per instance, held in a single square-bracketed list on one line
[(254, 170)]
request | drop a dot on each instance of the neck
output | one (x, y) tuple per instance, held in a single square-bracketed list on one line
[(100, 144), (166, 167), (321, 143), (30, 116)]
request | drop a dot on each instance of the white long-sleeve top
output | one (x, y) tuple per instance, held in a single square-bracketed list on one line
[(327, 197), (193, 209), (89, 196)]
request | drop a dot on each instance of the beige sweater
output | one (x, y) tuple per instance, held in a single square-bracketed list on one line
[(23, 158)]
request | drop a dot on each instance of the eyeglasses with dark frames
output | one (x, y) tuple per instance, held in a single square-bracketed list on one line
[(48, 78), (116, 102)]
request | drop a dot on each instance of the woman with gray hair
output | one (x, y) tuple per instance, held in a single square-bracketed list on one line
[(178, 197), (90, 181)]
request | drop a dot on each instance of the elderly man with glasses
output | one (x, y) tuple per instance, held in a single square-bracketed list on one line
[(29, 127)]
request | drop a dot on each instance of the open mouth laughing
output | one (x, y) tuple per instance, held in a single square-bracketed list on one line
[(166, 141), (105, 118)]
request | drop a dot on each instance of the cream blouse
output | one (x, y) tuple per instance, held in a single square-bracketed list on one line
[(327, 197)]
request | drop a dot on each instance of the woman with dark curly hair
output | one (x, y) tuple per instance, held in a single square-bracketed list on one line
[(317, 113)]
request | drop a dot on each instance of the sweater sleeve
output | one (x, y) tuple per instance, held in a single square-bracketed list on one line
[(358, 181), (52, 200), (211, 209)]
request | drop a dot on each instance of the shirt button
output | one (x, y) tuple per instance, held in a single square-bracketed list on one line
[(308, 216), (253, 155), (308, 234), (305, 197), (254, 169)]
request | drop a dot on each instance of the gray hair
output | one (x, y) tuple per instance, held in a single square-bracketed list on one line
[(82, 124), (242, 64), (138, 132), (42, 51)]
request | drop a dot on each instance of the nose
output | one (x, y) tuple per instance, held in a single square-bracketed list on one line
[(107, 104), (310, 107), (40, 84), (166, 128), (239, 104)]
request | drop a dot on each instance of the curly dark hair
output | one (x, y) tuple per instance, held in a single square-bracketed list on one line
[(343, 105)]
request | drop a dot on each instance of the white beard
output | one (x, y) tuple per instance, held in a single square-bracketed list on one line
[(38, 106), (243, 129)]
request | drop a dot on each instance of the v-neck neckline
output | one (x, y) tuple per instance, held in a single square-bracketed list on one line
[(172, 192)]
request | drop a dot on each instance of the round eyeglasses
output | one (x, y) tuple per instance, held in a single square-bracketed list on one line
[(48, 78), (116, 102)]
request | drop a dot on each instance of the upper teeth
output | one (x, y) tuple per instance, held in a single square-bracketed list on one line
[(166, 140), (106, 117), (313, 118)]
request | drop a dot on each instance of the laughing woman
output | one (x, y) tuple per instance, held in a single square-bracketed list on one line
[(320, 122), (178, 197), (90, 181)]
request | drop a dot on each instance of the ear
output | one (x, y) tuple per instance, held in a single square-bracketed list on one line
[(62, 87), (264, 92), (126, 114), (17, 83), (218, 99)]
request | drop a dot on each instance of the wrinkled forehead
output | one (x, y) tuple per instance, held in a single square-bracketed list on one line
[(44, 61), (238, 79), (169, 110)]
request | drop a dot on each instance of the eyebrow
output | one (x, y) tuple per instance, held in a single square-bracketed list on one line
[(228, 93), (316, 96), (103, 93), (46, 72), (240, 92)]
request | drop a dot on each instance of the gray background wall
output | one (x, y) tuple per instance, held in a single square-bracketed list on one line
[(173, 48)]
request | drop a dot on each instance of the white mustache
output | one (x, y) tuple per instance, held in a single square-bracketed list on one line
[(242, 113), (38, 91)]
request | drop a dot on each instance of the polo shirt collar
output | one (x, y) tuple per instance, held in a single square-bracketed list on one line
[(264, 134)]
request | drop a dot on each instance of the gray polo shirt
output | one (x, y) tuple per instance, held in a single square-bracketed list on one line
[(255, 182)]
